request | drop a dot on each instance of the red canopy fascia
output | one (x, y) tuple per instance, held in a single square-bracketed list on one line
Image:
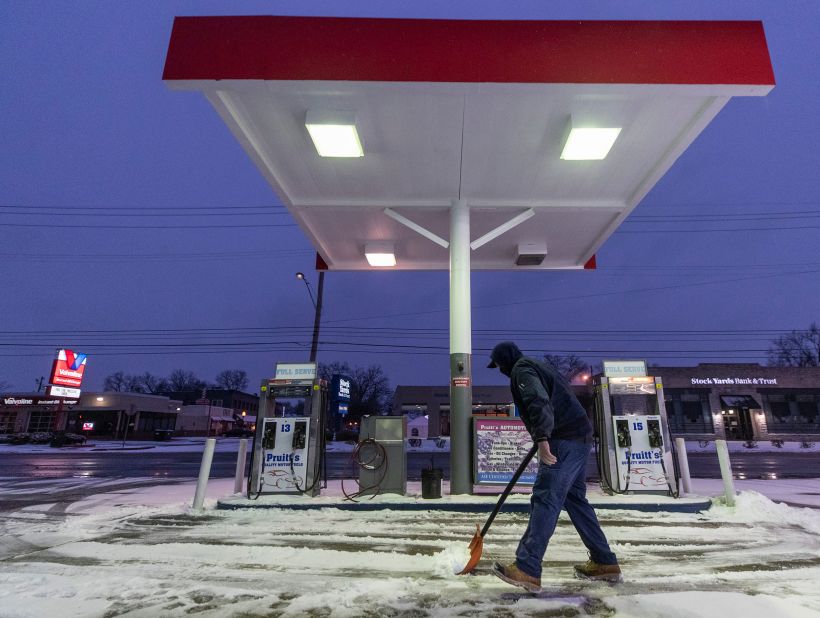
[(422, 50)]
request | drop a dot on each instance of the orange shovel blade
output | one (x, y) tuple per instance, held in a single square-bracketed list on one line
[(476, 547)]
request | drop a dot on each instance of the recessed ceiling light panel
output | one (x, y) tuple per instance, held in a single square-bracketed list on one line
[(380, 254), (334, 134), (589, 143)]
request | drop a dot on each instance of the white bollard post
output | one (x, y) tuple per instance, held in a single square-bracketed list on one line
[(204, 473), (683, 464), (726, 471), (241, 456)]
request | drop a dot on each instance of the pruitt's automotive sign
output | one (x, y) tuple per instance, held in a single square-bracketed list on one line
[(68, 369), (499, 445)]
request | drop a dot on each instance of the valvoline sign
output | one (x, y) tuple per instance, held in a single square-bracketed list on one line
[(68, 369)]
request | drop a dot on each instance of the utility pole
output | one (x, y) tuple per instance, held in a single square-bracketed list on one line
[(317, 305), (128, 416)]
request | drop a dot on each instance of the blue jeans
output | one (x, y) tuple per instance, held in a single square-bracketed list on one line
[(561, 486)]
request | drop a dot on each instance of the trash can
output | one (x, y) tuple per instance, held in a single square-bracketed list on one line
[(431, 482)]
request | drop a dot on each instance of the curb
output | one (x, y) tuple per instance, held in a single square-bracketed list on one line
[(236, 504)]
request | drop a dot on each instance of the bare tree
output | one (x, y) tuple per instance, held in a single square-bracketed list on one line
[(326, 371), (232, 379), (569, 365), (153, 384), (370, 391), (122, 382), (800, 348), (181, 380)]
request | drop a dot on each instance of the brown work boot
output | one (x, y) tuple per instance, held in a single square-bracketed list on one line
[(593, 570), (515, 576)]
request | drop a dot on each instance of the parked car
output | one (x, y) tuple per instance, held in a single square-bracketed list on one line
[(239, 432), (161, 435), (61, 438)]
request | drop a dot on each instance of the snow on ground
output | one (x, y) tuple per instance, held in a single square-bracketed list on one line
[(144, 553)]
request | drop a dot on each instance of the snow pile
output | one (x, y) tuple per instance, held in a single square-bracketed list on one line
[(753, 507), (452, 560), (708, 605)]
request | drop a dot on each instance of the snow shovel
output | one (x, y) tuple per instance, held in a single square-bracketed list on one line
[(477, 544)]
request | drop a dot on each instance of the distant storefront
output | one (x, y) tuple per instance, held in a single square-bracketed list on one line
[(32, 412), (240, 403), (434, 403), (742, 401), (108, 414)]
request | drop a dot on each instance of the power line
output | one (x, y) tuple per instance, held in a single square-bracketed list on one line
[(722, 230), (64, 213), (160, 208), (580, 296), (400, 329), (148, 227)]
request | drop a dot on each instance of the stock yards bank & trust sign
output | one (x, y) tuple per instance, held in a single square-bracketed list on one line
[(734, 381)]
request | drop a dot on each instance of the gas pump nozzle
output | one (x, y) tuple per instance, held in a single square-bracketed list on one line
[(622, 432), (299, 435), (624, 439), (653, 428)]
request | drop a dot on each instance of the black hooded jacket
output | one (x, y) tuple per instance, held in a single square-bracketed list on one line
[(543, 397)]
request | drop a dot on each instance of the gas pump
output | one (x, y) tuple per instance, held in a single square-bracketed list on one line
[(289, 444), (635, 447)]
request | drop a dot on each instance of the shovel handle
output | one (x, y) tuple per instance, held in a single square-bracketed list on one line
[(503, 497)]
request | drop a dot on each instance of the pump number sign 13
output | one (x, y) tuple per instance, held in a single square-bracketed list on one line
[(284, 455), (639, 449)]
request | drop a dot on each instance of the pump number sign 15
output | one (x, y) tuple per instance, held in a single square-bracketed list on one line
[(639, 449)]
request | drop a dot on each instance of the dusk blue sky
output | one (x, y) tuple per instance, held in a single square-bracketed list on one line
[(90, 133)]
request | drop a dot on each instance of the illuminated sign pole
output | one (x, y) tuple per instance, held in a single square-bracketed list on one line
[(65, 380)]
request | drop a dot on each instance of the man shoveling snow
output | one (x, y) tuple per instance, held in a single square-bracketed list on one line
[(559, 425)]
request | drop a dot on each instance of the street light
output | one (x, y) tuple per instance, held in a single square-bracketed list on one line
[(317, 305)]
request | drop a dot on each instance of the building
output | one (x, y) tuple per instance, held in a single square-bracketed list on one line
[(207, 420), (32, 412), (93, 414), (710, 401), (742, 401), (242, 404), (434, 402), (111, 412)]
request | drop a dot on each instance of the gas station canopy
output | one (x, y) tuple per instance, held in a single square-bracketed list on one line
[(475, 111)]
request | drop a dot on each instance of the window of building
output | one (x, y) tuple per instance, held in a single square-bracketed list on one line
[(444, 420), (807, 409), (151, 421), (688, 411), (779, 406), (492, 409), (40, 420), (414, 410), (7, 422)]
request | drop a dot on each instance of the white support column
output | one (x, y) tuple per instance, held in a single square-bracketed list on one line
[(683, 464), (204, 473), (241, 458), (726, 471), (461, 386)]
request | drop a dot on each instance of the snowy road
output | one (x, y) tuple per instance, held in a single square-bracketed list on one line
[(111, 555)]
